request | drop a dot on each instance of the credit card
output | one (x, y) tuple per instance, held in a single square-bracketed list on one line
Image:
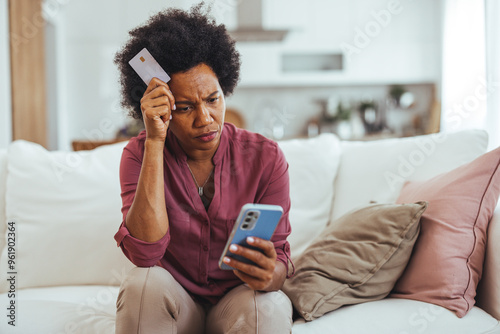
[(147, 67)]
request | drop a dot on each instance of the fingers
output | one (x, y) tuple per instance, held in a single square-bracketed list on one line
[(253, 283), (158, 101), (170, 96), (156, 106), (158, 88), (266, 245), (259, 275), (264, 262), (261, 259), (158, 113), (155, 82), (252, 271), (161, 101)]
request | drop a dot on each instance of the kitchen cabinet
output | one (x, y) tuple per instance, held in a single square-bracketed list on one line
[(382, 42)]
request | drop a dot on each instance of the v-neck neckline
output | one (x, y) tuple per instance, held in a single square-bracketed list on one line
[(195, 197), (190, 187)]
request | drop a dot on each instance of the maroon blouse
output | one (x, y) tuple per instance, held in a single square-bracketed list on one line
[(249, 168)]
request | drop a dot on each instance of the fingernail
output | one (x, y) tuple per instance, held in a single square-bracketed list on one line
[(170, 117), (233, 248), (251, 240), (226, 259), (175, 107)]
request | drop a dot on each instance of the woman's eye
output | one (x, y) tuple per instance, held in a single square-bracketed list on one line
[(212, 100), (182, 109)]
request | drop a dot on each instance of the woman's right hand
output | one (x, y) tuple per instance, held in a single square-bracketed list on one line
[(157, 104)]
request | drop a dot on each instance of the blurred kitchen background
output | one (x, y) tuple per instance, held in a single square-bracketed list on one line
[(363, 69)]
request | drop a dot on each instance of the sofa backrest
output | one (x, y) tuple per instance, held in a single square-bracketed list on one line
[(66, 209), (66, 206), (313, 165), (376, 171), (44, 186)]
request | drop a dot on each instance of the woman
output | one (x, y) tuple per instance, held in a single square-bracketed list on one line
[(184, 180)]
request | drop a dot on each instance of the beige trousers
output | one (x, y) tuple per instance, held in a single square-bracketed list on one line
[(151, 301)]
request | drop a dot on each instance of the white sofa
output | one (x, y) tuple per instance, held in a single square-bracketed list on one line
[(64, 208)]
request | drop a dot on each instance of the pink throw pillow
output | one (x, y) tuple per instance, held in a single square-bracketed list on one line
[(447, 260)]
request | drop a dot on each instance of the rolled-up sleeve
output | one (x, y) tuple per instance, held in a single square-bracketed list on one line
[(139, 252), (278, 193)]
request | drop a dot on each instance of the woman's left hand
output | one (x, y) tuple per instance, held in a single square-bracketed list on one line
[(260, 275)]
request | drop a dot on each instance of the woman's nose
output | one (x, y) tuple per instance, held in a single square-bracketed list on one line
[(203, 117)]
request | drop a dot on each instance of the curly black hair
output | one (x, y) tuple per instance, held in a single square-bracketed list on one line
[(178, 40)]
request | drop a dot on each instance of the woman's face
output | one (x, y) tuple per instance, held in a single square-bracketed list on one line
[(198, 119)]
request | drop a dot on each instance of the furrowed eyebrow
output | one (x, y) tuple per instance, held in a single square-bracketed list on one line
[(214, 93), (189, 102), (183, 102)]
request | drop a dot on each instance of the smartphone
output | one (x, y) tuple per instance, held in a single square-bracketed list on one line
[(254, 220)]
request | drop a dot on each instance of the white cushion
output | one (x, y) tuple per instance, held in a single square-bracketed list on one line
[(66, 207), (81, 309), (91, 310), (313, 164), (398, 316), (3, 178), (377, 170)]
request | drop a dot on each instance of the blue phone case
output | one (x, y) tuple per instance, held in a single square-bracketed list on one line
[(254, 220)]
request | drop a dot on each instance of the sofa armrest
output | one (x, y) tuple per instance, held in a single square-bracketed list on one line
[(488, 292)]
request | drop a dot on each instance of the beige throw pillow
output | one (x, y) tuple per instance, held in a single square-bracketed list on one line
[(358, 258)]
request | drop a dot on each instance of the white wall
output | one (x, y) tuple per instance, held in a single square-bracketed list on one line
[(89, 33), (406, 49), (492, 119), (5, 92), (464, 66), (383, 40), (93, 30)]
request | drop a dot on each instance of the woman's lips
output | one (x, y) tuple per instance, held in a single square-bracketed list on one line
[(206, 137)]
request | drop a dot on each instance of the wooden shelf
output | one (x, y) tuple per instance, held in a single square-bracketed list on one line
[(85, 145)]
